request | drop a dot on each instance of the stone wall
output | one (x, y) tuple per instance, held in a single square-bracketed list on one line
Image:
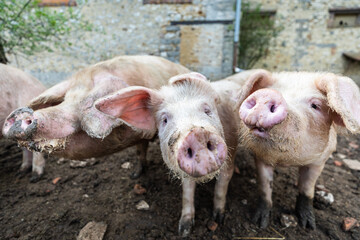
[(128, 27), (306, 42)]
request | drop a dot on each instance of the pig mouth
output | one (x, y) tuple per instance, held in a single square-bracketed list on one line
[(259, 131), (44, 145)]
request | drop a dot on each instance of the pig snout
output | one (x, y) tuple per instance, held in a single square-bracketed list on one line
[(20, 124), (201, 152), (262, 110)]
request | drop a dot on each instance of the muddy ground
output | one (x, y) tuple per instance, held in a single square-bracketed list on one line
[(104, 193)]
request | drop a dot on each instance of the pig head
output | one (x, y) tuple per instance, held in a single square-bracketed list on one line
[(292, 119), (185, 114), (64, 120), (195, 122)]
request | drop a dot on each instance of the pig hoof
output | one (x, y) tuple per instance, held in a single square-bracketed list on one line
[(262, 214), (136, 174), (304, 211), (35, 177), (219, 216), (185, 226)]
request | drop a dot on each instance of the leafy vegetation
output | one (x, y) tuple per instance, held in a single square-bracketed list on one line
[(257, 29), (26, 28)]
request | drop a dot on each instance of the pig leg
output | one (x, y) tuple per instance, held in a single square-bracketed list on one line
[(265, 181), (26, 161), (38, 165), (221, 188), (304, 203), (188, 209), (141, 150)]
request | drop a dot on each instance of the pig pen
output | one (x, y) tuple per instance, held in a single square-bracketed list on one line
[(67, 198)]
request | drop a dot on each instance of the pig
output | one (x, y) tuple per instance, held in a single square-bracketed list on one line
[(63, 121), (195, 122), (292, 119), (16, 89)]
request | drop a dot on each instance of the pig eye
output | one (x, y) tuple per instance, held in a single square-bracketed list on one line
[(207, 110), (314, 106), (164, 119)]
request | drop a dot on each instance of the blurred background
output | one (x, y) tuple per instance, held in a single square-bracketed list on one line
[(278, 35)]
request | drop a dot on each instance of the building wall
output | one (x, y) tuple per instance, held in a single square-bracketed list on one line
[(306, 42), (128, 27)]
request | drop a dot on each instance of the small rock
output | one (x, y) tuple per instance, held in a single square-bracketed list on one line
[(212, 225), (85, 196), (126, 165), (56, 180), (352, 164), (288, 220), (353, 145), (83, 163), (340, 155), (253, 180), (244, 201), (338, 163), (142, 205), (138, 189), (326, 196), (92, 231), (320, 187), (77, 164), (91, 161), (349, 223), (61, 161)]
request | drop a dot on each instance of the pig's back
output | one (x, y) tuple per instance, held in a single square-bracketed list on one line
[(16, 89), (148, 71)]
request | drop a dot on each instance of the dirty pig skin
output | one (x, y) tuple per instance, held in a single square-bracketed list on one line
[(65, 122)]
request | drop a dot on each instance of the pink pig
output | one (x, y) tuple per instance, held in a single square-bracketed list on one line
[(16, 89), (65, 122), (292, 119), (196, 122)]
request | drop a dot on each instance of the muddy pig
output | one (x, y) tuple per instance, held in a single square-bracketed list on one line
[(292, 119), (64, 121), (195, 125), (16, 89)]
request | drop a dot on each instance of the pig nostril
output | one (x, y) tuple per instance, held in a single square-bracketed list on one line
[(250, 103), (28, 121), (210, 146), (190, 152), (272, 108)]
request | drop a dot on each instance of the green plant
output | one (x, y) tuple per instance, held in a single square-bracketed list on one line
[(257, 29), (26, 28)]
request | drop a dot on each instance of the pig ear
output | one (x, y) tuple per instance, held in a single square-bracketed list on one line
[(257, 80), (51, 97), (343, 98), (132, 106), (188, 77)]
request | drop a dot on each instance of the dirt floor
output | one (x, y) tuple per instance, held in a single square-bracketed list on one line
[(104, 192)]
